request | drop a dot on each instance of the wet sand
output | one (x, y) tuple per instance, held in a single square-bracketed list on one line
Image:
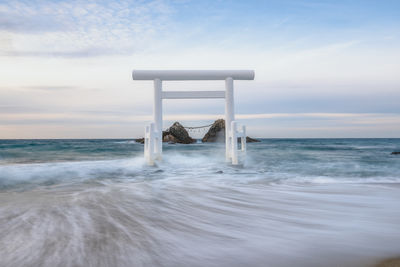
[(389, 263)]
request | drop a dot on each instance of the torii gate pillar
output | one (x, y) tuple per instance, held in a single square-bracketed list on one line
[(153, 133), (157, 114), (229, 115)]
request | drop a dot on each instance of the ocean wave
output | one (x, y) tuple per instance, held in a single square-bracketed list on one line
[(67, 172), (282, 207), (126, 142), (193, 216), (184, 166)]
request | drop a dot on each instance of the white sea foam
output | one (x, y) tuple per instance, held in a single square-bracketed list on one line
[(126, 142), (68, 172), (193, 209), (175, 165)]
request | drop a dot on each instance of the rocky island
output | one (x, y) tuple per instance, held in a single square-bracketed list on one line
[(216, 133), (178, 134)]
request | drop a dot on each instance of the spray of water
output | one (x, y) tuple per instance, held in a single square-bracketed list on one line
[(193, 209)]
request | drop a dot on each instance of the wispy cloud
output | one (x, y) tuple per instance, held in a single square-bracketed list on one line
[(18, 23), (321, 66), (51, 88), (77, 53), (96, 116), (262, 125), (79, 28)]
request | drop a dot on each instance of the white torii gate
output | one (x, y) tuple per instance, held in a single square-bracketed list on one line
[(153, 132)]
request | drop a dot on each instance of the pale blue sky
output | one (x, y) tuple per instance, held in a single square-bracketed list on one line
[(323, 68)]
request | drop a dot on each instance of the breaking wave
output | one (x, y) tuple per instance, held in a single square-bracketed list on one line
[(287, 205)]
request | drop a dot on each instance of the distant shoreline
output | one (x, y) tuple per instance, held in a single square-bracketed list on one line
[(263, 138)]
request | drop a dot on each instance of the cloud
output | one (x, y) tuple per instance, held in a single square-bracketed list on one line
[(80, 28), (110, 117), (51, 88), (125, 125), (64, 59), (32, 25), (78, 53)]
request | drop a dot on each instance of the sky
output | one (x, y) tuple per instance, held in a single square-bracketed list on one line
[(323, 68)]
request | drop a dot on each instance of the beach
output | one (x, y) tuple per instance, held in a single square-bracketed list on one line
[(294, 202)]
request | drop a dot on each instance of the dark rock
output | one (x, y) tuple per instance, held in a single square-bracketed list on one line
[(216, 133), (177, 134), (174, 134), (219, 172), (139, 140), (396, 153), (169, 138), (251, 140)]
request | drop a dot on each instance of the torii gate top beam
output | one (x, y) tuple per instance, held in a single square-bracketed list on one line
[(184, 75)]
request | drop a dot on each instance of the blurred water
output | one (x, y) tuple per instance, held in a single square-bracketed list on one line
[(298, 202)]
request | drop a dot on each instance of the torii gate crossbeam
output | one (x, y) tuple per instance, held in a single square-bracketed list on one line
[(153, 133)]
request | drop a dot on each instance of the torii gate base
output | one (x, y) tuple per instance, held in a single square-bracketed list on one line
[(153, 132)]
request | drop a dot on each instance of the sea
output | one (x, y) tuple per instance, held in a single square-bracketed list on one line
[(291, 202)]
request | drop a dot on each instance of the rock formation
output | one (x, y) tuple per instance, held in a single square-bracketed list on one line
[(251, 140), (139, 140), (216, 133), (174, 134), (177, 134), (396, 153)]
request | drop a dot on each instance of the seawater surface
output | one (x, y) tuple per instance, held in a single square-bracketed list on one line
[(294, 202)]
